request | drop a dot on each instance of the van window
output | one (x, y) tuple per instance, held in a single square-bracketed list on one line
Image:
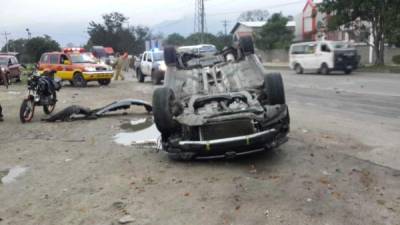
[(325, 48), (53, 59), (304, 49), (44, 59), (310, 49), (299, 49)]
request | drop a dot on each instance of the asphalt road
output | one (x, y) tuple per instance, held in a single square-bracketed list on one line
[(339, 167), (363, 106)]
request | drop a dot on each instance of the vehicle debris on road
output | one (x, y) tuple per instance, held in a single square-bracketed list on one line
[(76, 112)]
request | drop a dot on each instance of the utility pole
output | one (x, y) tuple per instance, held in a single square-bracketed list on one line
[(200, 19), (5, 34), (29, 33), (225, 23)]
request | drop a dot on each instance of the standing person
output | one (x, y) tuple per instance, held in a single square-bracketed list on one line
[(3, 77), (119, 66)]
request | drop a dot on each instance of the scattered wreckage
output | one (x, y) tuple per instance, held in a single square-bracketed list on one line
[(217, 106), (76, 112)]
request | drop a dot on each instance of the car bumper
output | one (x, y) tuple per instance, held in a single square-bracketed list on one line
[(98, 75), (231, 147)]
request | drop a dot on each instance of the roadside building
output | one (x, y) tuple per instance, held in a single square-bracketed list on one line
[(246, 28)]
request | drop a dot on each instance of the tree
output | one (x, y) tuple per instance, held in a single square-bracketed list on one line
[(254, 15), (382, 15), (175, 39), (112, 33), (36, 46), (274, 34), (18, 45)]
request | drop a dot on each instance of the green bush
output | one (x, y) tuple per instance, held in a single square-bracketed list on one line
[(396, 59)]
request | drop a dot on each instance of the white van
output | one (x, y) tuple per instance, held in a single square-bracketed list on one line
[(323, 57)]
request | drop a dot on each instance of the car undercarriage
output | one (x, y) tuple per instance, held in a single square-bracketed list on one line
[(220, 106)]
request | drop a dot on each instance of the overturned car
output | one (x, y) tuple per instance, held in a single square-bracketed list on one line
[(217, 106)]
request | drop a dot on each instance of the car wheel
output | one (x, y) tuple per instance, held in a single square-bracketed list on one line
[(274, 89), (247, 45), (79, 81), (170, 56), (324, 69), (347, 72), (163, 103), (104, 82), (298, 69), (140, 76), (18, 80), (156, 79)]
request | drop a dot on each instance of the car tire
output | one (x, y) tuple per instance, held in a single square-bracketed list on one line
[(247, 45), (274, 89), (347, 72), (298, 69), (18, 80), (170, 56), (140, 76), (79, 81), (324, 69), (104, 82), (181, 156), (163, 100), (155, 79)]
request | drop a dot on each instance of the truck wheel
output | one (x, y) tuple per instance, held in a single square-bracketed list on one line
[(156, 79), (140, 76), (247, 45), (79, 81), (170, 56), (104, 82), (163, 100), (274, 89), (324, 69), (298, 69)]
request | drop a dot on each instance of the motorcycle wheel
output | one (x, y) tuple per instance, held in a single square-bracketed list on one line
[(27, 111), (48, 109)]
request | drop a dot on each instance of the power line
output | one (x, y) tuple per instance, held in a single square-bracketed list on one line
[(5, 34), (269, 7)]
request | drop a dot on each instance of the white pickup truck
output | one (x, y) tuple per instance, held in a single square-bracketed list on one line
[(151, 64)]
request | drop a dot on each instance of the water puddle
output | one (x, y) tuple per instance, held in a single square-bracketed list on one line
[(139, 131), (9, 176)]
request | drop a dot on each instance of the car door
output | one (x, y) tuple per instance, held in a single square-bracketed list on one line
[(55, 63), (150, 60), (13, 67), (63, 68), (325, 55), (145, 63), (44, 63)]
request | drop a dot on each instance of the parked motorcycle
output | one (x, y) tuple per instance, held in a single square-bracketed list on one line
[(41, 92)]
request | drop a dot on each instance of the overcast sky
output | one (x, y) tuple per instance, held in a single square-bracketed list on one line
[(67, 20)]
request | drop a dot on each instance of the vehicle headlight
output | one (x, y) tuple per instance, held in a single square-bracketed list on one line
[(90, 69), (3, 69), (163, 67)]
